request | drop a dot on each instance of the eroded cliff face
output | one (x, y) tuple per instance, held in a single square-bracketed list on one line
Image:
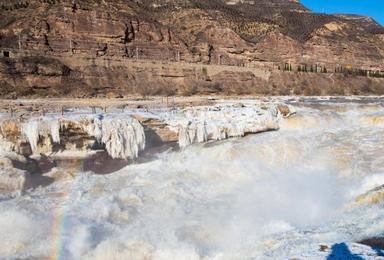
[(92, 48)]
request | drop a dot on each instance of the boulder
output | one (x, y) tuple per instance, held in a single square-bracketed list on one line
[(12, 179)]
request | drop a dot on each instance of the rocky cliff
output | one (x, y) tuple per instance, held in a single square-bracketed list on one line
[(184, 47)]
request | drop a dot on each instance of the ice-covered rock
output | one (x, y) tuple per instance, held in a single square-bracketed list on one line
[(201, 124), (44, 131), (192, 133), (11, 179), (123, 137), (93, 127)]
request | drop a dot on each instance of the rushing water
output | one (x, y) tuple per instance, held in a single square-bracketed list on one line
[(275, 195)]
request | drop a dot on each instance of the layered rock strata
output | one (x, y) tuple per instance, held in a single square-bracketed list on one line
[(98, 48)]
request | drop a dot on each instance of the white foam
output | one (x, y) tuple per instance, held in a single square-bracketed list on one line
[(369, 183), (117, 249), (13, 180), (80, 244), (278, 195), (18, 233)]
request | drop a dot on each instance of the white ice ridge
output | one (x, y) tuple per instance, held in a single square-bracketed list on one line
[(201, 124), (123, 138)]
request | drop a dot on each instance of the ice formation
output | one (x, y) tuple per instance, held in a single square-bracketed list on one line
[(94, 128), (123, 138), (280, 195), (198, 125), (54, 126), (36, 129), (192, 133), (30, 130)]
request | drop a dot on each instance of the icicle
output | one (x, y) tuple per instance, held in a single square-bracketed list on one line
[(140, 134), (184, 139), (192, 133), (31, 131), (236, 130), (220, 123), (218, 132), (201, 133), (54, 127), (123, 138), (192, 129), (94, 128)]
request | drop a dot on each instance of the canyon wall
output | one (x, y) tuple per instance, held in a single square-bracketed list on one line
[(98, 48)]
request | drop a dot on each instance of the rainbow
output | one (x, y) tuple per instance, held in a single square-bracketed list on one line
[(60, 221)]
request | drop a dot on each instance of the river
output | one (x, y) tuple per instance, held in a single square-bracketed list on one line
[(287, 194)]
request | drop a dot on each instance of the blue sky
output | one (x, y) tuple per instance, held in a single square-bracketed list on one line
[(373, 8)]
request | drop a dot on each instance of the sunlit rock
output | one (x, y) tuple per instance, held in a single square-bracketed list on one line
[(374, 196)]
